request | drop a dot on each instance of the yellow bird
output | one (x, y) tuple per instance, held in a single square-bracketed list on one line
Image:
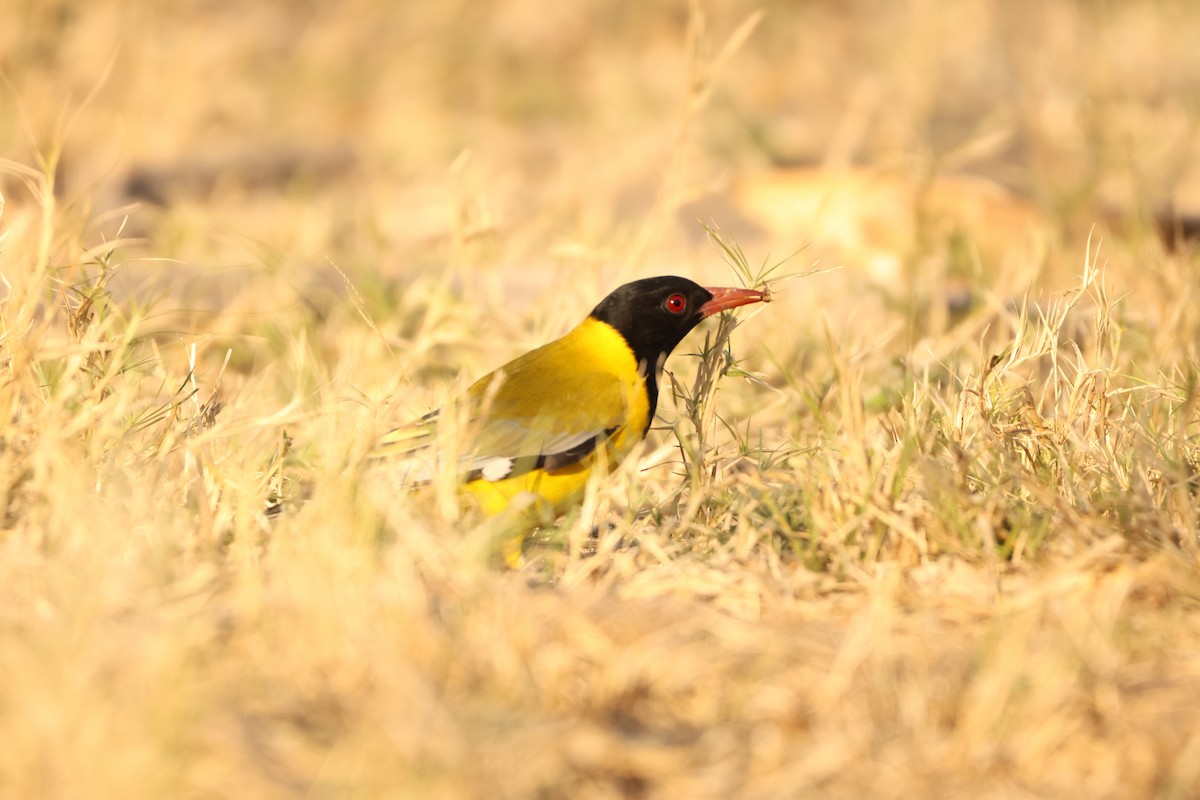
[(533, 430)]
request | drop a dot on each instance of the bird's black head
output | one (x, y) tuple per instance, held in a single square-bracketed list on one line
[(654, 314)]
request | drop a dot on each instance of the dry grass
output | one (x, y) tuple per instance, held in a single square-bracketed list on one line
[(930, 531)]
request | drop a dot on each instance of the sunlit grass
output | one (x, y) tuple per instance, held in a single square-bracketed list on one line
[(874, 546)]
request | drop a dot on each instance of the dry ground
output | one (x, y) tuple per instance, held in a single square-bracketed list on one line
[(940, 538)]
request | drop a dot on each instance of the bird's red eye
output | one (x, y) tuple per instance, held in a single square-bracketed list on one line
[(676, 303)]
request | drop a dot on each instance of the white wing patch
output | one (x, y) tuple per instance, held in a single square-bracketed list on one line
[(494, 469)]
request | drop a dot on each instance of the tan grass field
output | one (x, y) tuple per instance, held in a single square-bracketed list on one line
[(935, 533)]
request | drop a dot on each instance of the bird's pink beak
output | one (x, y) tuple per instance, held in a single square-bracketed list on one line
[(724, 299)]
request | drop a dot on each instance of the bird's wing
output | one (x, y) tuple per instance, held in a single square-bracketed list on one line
[(542, 422), (533, 414), (494, 449), (547, 409), (509, 448)]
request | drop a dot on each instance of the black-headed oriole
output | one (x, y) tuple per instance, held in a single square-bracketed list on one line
[(536, 427)]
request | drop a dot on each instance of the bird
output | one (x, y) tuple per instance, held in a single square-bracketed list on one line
[(532, 432)]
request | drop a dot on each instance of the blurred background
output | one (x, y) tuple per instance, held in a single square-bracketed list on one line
[(933, 150), (951, 546)]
